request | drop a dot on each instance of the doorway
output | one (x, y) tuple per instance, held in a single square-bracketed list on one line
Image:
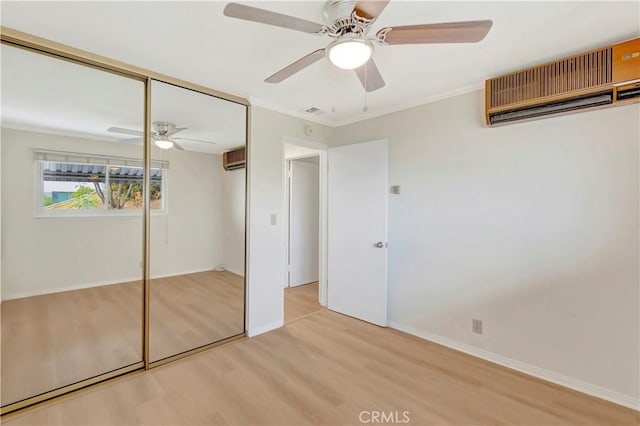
[(303, 231), (356, 206)]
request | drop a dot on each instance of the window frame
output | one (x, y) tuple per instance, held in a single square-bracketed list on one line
[(107, 161)]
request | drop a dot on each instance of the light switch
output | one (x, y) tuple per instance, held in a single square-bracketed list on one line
[(395, 189), (274, 219)]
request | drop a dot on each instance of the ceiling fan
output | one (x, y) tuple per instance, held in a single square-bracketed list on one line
[(162, 135), (348, 22)]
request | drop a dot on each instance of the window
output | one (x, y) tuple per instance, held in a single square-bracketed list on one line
[(95, 185)]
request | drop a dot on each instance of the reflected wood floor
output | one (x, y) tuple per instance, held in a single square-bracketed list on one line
[(57, 339), (325, 369), (188, 311), (301, 301)]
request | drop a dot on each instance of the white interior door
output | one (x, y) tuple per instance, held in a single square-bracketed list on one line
[(357, 264), (304, 222)]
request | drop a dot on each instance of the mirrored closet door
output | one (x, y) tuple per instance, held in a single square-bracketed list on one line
[(99, 276), (197, 239), (72, 223)]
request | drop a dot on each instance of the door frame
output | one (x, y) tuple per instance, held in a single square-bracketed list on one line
[(323, 206), (289, 211)]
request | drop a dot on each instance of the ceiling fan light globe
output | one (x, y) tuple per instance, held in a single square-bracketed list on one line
[(164, 144), (349, 54)]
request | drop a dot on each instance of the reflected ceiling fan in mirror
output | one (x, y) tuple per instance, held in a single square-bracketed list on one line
[(162, 135), (348, 22)]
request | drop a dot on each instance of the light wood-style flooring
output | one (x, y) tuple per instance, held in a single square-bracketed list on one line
[(188, 311), (300, 301), (57, 339), (326, 369)]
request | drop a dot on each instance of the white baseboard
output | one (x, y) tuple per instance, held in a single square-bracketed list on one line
[(254, 331), (523, 367), (239, 272), (39, 292)]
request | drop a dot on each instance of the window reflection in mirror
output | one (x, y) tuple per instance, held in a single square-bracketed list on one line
[(71, 271)]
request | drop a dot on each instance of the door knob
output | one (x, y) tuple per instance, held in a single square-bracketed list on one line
[(380, 244)]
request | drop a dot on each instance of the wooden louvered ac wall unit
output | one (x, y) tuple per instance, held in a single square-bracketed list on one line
[(588, 80), (588, 71), (234, 159)]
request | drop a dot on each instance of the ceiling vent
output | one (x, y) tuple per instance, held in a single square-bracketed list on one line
[(312, 110), (599, 78)]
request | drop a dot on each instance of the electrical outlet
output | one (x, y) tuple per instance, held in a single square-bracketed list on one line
[(476, 326)]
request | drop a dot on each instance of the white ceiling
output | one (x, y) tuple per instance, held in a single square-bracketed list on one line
[(45, 94), (195, 42), (205, 117)]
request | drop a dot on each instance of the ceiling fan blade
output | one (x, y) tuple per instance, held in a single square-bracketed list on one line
[(295, 67), (448, 32), (248, 13), (175, 130), (176, 146), (370, 9), (195, 140), (131, 140), (125, 131), (370, 76)]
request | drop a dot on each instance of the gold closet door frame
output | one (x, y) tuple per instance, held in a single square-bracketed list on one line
[(41, 45)]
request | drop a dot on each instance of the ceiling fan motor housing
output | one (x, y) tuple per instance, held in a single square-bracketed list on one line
[(337, 16), (163, 127)]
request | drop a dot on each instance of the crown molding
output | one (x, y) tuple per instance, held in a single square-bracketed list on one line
[(26, 127), (290, 112), (369, 115), (411, 104)]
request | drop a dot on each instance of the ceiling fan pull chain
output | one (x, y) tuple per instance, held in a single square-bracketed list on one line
[(333, 88), (366, 107)]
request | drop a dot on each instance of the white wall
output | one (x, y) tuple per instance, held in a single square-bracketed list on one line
[(190, 237), (304, 222), (296, 151), (43, 255), (233, 200), (532, 228), (266, 197)]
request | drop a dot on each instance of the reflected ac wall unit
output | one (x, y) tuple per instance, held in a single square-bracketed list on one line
[(234, 159)]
